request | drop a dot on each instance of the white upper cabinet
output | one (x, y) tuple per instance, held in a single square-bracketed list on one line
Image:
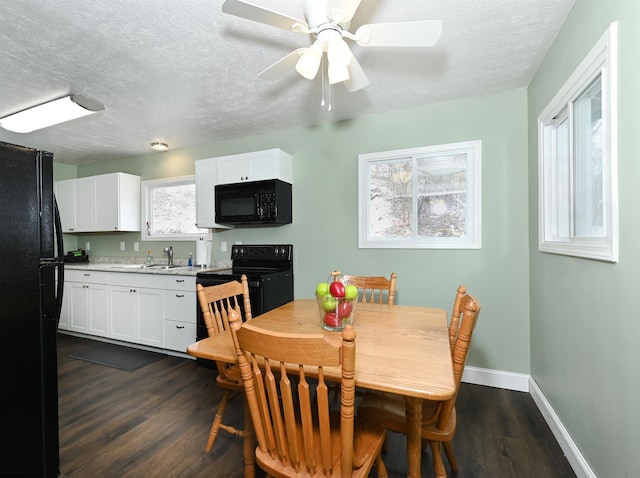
[(117, 205), (205, 194), (255, 166), (108, 202)]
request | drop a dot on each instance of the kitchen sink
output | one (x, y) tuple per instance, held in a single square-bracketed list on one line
[(130, 266)]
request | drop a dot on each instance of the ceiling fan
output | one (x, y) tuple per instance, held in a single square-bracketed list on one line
[(328, 21)]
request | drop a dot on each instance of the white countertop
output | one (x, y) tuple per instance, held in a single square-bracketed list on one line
[(141, 269)]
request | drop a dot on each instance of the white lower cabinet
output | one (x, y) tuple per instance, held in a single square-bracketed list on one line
[(85, 302), (179, 312), (148, 309), (136, 308)]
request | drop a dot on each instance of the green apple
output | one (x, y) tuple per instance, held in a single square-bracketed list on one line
[(329, 303), (350, 292), (322, 289)]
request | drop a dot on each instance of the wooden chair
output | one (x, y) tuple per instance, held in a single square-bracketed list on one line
[(297, 435), (216, 302), (373, 288), (438, 418)]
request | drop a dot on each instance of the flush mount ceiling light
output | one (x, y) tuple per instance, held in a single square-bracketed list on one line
[(158, 146), (51, 113)]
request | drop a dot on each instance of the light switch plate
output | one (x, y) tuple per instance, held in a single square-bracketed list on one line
[(122, 246), (136, 246), (223, 246), (87, 246)]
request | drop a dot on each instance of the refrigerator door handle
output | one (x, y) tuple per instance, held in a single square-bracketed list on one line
[(59, 259)]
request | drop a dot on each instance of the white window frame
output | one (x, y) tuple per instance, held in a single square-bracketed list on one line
[(473, 237), (145, 204), (555, 220)]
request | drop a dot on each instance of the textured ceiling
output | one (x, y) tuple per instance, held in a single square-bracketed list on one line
[(183, 72)]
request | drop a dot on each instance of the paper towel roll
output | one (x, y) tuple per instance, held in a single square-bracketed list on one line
[(202, 258)]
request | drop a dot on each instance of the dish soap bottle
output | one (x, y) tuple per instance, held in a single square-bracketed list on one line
[(190, 263), (150, 258)]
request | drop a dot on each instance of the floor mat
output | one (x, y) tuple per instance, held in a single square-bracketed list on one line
[(116, 356)]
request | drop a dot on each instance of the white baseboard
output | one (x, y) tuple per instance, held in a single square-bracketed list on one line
[(570, 449), (524, 383), (496, 378)]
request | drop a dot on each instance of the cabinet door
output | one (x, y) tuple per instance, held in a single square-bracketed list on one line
[(78, 307), (232, 169), (63, 323), (123, 311), (261, 165), (84, 205), (66, 199), (106, 204), (206, 194), (150, 317), (98, 310)]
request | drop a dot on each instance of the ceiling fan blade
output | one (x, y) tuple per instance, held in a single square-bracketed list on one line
[(261, 15), (358, 79), (342, 11), (282, 66), (418, 33)]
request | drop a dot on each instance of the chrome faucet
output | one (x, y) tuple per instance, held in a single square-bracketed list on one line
[(169, 251)]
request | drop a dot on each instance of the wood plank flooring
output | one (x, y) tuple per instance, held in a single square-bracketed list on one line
[(154, 422)]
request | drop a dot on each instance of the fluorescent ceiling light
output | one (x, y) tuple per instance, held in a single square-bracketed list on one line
[(48, 114)]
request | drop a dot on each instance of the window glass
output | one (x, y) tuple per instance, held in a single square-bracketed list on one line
[(578, 160), (421, 198), (169, 209)]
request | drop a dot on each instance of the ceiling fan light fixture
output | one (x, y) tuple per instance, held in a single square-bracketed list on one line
[(50, 113), (309, 62), (158, 146), (337, 73)]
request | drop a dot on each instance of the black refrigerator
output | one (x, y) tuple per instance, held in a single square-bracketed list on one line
[(31, 284)]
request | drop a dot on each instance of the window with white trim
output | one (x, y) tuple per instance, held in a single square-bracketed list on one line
[(169, 210), (421, 198), (577, 160)]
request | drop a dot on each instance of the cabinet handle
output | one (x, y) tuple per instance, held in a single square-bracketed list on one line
[(132, 290), (85, 286), (179, 326), (179, 296), (179, 280), (86, 274)]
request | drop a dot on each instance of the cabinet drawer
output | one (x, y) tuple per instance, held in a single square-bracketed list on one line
[(178, 335), (125, 279), (88, 277), (187, 283), (180, 306)]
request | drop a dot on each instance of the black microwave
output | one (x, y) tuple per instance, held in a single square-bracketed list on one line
[(253, 203)]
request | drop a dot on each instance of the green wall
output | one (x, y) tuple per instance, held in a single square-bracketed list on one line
[(324, 230), (584, 352)]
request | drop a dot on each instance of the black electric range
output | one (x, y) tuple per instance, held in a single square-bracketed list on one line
[(269, 271)]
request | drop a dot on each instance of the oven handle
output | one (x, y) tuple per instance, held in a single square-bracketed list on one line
[(253, 283)]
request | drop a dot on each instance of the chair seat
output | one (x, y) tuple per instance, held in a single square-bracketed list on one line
[(368, 435), (389, 409), (233, 380)]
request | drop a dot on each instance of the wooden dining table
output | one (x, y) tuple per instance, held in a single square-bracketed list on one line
[(399, 349)]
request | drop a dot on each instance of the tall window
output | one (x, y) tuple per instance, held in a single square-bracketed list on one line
[(577, 160), (169, 210), (421, 198)]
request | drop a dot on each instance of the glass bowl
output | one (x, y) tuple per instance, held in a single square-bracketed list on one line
[(336, 312)]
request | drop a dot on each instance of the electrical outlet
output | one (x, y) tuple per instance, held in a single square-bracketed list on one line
[(122, 248), (136, 246), (223, 246), (87, 246), (238, 242)]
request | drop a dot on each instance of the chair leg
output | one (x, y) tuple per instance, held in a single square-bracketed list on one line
[(381, 469), (215, 426), (438, 464), (448, 450)]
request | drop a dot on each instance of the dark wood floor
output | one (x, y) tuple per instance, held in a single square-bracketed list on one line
[(154, 422)]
